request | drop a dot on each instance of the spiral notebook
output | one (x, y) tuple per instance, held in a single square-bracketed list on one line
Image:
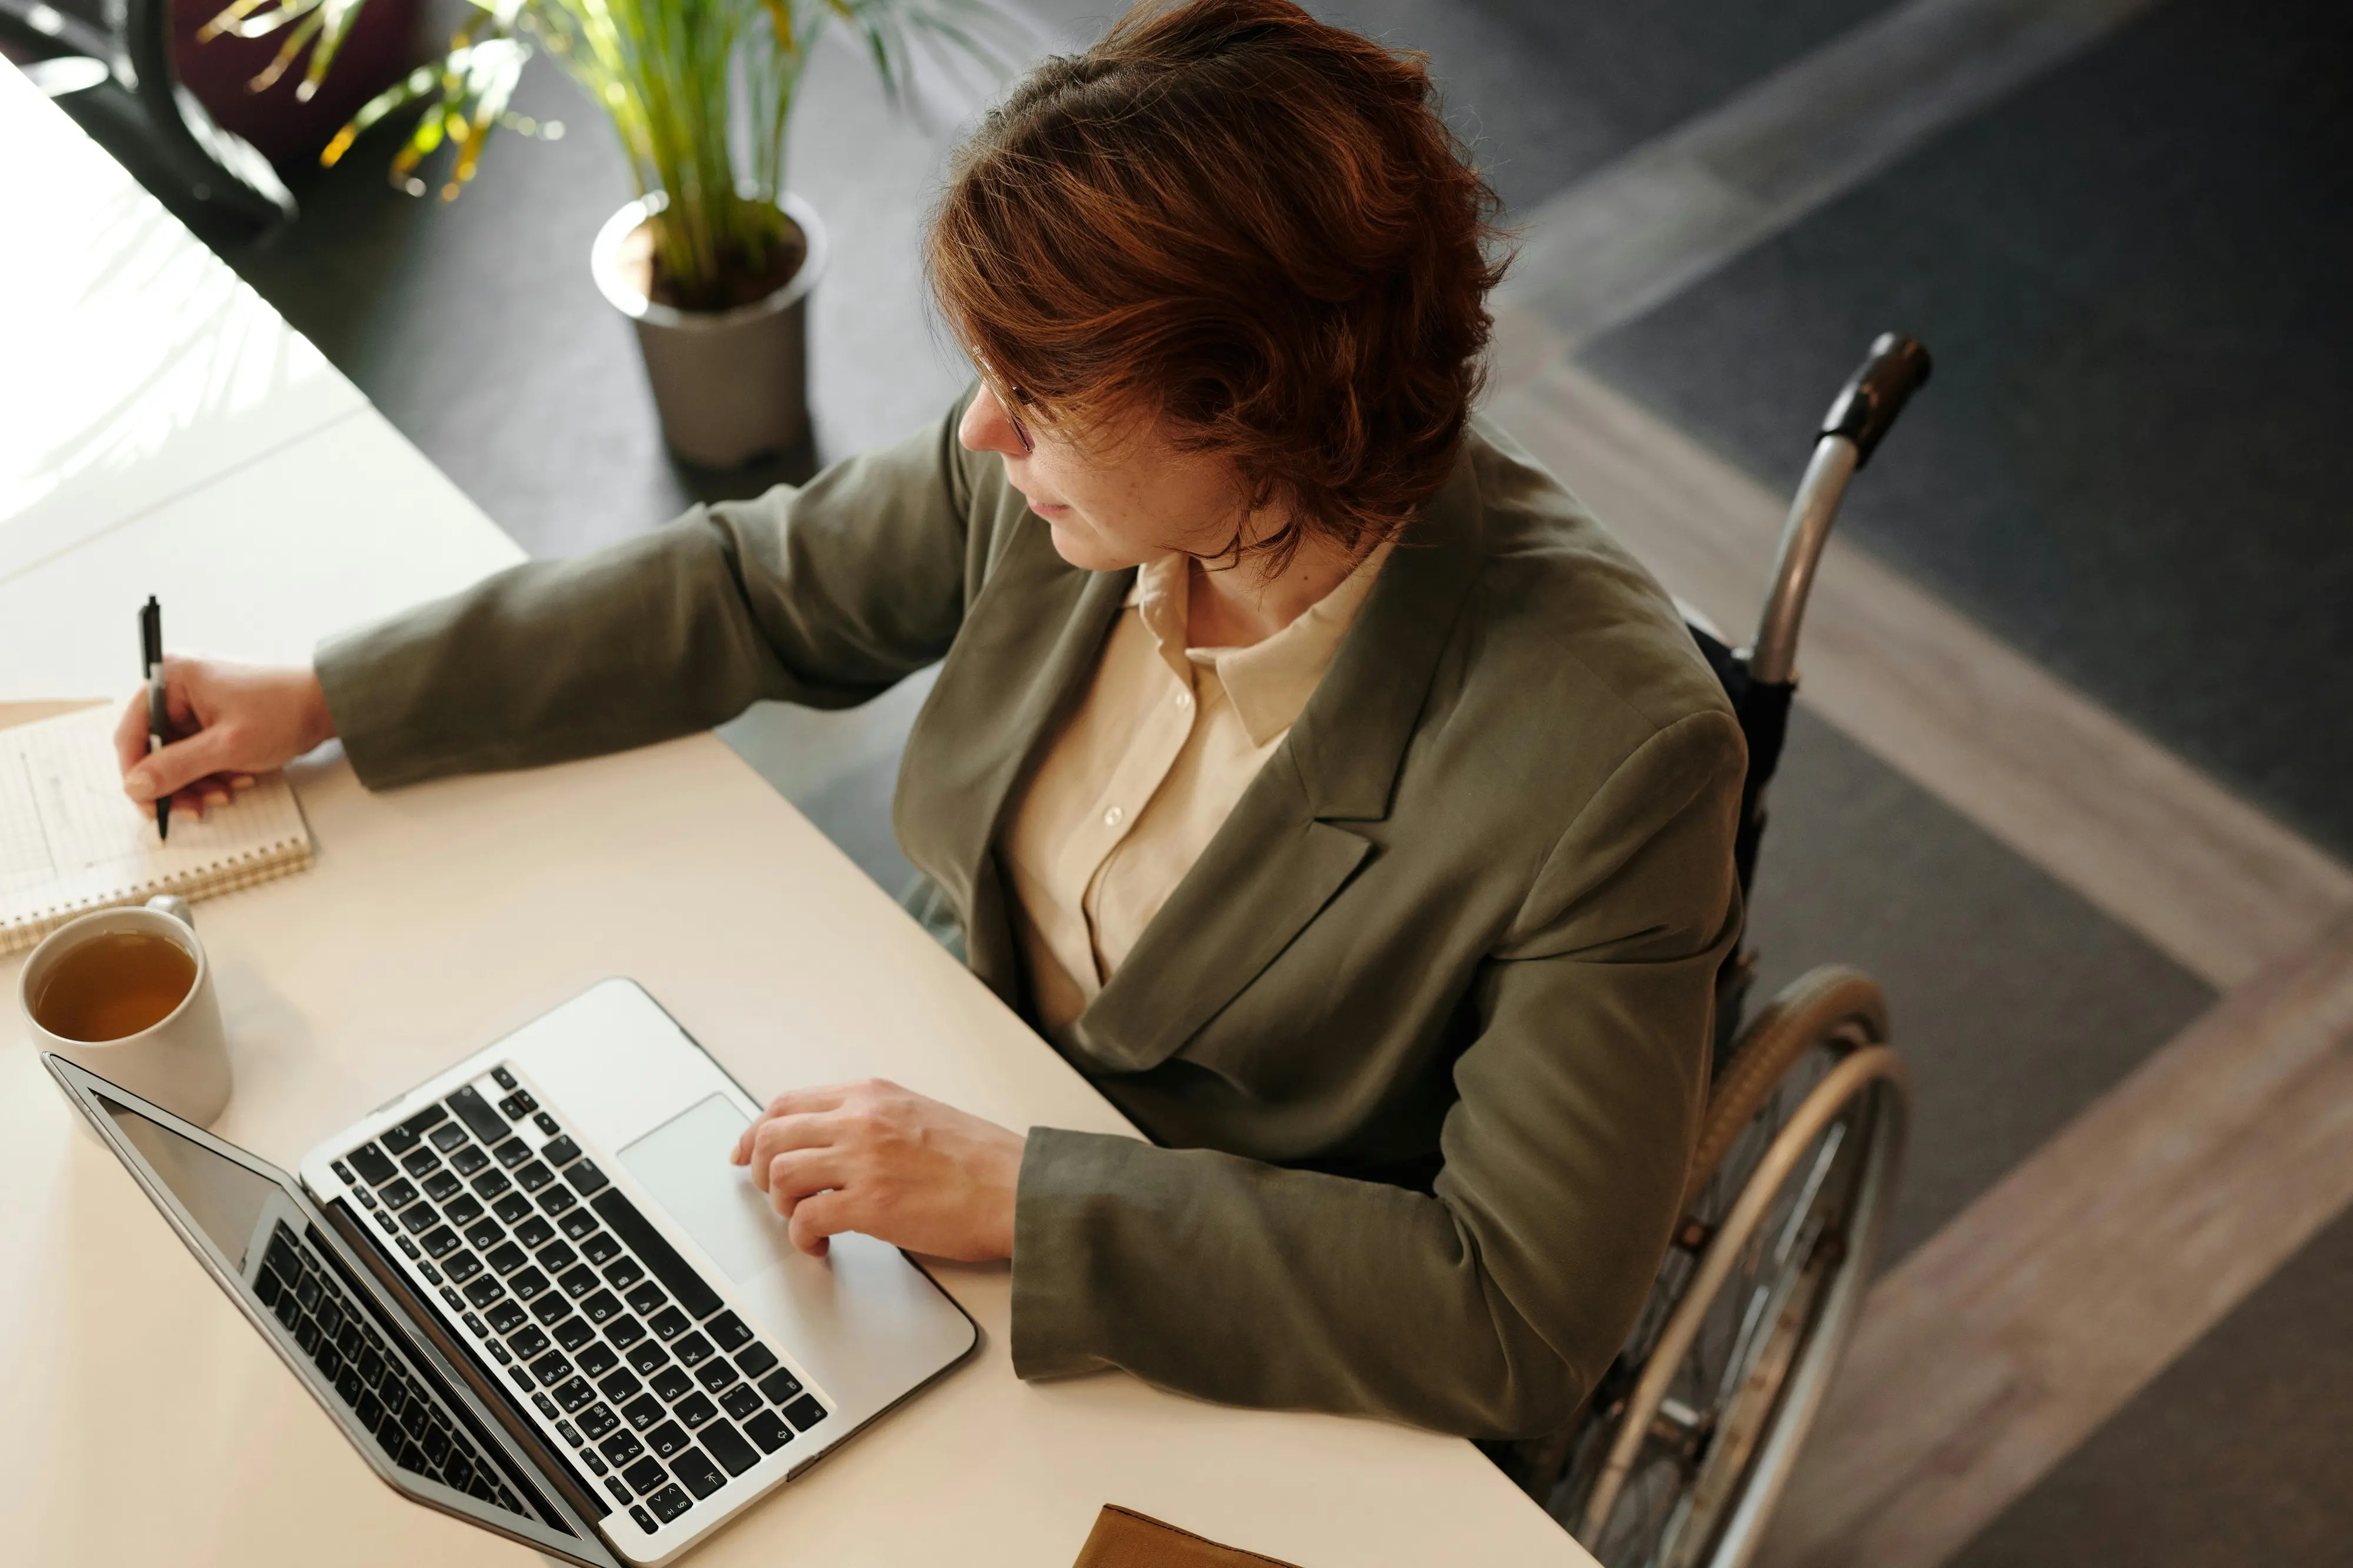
[(70, 841)]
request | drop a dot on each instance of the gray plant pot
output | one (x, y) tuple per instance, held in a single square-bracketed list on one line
[(731, 385)]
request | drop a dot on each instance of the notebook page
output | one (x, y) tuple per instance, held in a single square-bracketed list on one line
[(70, 841)]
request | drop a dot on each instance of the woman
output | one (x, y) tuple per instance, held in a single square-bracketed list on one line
[(1303, 762)]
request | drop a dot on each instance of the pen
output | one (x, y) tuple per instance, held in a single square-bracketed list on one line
[(159, 711)]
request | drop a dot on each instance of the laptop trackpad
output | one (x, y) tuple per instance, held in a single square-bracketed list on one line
[(683, 1163)]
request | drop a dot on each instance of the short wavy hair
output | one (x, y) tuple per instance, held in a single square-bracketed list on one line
[(1247, 222)]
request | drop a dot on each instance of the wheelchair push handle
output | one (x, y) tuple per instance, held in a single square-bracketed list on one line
[(1876, 393), (1865, 412)]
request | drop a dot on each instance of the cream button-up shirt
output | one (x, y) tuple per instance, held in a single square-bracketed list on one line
[(1145, 771)]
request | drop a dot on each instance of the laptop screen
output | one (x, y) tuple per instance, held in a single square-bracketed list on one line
[(222, 1196)]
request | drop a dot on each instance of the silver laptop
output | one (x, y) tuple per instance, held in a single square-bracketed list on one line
[(534, 1294)]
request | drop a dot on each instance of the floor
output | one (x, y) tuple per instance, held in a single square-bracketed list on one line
[(2123, 469)]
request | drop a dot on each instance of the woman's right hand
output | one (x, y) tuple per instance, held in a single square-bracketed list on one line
[(232, 721)]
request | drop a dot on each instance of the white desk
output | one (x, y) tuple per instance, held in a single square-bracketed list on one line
[(143, 1421)]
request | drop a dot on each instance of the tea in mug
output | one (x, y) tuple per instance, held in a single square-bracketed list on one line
[(114, 985)]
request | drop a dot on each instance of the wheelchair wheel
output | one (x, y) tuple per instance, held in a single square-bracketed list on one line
[(1686, 1447)]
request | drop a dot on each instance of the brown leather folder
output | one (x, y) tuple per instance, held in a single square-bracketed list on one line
[(1123, 1538)]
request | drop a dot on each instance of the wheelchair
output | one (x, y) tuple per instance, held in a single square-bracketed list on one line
[(1681, 1451)]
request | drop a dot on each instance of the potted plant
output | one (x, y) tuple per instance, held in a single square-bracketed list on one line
[(714, 258)]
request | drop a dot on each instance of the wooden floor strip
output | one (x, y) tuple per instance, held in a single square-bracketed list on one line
[(2206, 878), (2004, 1340)]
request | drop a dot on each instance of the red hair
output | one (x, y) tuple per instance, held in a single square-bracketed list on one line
[(1249, 223)]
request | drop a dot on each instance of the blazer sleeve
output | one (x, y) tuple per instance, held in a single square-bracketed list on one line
[(825, 595), (1489, 1309)]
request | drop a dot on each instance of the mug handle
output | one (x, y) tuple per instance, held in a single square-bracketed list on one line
[(174, 905)]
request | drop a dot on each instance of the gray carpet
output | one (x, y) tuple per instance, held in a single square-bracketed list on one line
[(2132, 462)]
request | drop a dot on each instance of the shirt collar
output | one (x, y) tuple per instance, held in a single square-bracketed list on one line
[(1268, 682)]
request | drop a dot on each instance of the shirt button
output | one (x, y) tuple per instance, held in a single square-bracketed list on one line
[(1183, 702), (1113, 817)]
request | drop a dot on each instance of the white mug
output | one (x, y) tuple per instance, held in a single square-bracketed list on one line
[(179, 1062)]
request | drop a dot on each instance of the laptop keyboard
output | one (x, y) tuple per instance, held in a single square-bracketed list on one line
[(415, 1426), (627, 1353)]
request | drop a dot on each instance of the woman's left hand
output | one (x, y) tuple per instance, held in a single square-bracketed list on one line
[(888, 1162)]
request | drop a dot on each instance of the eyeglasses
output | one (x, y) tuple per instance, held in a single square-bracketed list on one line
[(1008, 399)]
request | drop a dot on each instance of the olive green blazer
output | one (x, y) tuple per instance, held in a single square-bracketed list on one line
[(1420, 1041)]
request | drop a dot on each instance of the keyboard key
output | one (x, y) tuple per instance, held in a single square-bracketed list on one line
[(727, 1445), (330, 1360), (613, 1484), (511, 1152), (623, 1273), (805, 1413), (546, 1405), (716, 1373), (646, 1473), (649, 1358), (386, 1223), (469, 1160), (440, 1185), (693, 1350), (693, 1411), (499, 1352), (507, 1258), (512, 1207), (669, 1323), (309, 1292), (503, 1314), (288, 1310), (343, 1174), (670, 1383), (570, 1433), (475, 1112), (559, 1152), (406, 1245), (366, 1198), (621, 1448), (447, 1136), (579, 1282), (550, 1306), (556, 1200), (768, 1432), (625, 1332), (586, 1178), (448, 1295), (666, 1440), (518, 1105), (461, 1210), (484, 1292), (620, 1385), (642, 1412), (648, 1297), (419, 1163), (575, 1394), (781, 1386), (545, 1123), (400, 1139), (486, 1234), (601, 1248), (370, 1162), (419, 1218), (742, 1402), (399, 1194), (370, 1410), (580, 1224), (592, 1458), (463, 1267), (522, 1376), (572, 1333), (755, 1361), (549, 1368), (330, 1318), (557, 1258), (434, 1276), (694, 1467), (349, 1341), (503, 1078), (693, 1292), (669, 1503), (645, 1521), (727, 1330), (532, 1232), (440, 1242), (436, 1443), (601, 1306), (530, 1343), (372, 1367), (530, 1282), (599, 1419), (349, 1386)]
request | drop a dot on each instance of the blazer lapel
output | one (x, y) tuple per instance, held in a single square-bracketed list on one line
[(1280, 857), (1028, 645)]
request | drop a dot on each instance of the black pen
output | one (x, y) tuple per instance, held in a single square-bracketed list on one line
[(158, 709)]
